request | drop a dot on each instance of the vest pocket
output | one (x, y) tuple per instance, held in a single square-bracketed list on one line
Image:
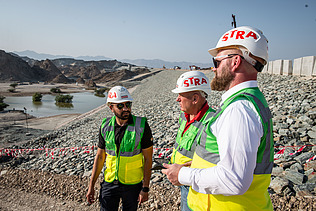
[(128, 142), (189, 138), (134, 171)]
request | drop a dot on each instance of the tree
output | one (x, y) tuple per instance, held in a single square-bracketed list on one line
[(55, 90), (2, 104), (63, 98), (100, 92), (14, 85), (37, 97)]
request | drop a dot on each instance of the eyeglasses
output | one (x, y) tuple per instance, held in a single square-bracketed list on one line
[(121, 105), (217, 63)]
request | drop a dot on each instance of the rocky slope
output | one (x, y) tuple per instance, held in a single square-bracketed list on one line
[(13, 68)]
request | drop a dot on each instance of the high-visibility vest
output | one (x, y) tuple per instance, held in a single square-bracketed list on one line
[(127, 165), (207, 155), (185, 145)]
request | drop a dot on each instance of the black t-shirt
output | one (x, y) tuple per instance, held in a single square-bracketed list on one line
[(119, 131)]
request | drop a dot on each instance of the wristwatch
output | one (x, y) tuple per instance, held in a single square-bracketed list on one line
[(145, 189)]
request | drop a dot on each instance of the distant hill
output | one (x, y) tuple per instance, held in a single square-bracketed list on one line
[(157, 63), (14, 68), (151, 63), (95, 70), (43, 56)]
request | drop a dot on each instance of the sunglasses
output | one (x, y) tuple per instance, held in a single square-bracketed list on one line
[(217, 63), (121, 105)]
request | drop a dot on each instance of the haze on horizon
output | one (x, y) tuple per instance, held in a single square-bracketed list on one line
[(166, 30)]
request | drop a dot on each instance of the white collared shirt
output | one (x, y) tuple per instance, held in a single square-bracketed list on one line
[(238, 131)]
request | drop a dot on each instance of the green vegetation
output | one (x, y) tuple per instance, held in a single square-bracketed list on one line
[(37, 97), (2, 104), (64, 105), (100, 92), (14, 85), (11, 90), (55, 90), (63, 98)]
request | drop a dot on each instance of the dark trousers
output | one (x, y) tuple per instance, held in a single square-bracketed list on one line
[(110, 195)]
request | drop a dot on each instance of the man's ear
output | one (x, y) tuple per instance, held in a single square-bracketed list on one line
[(236, 63), (111, 107), (195, 98)]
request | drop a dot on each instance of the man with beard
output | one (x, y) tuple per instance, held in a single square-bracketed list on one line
[(126, 145), (232, 165)]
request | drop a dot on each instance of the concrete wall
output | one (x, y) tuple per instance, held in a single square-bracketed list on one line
[(270, 67), (307, 65), (287, 67), (277, 67), (304, 66), (297, 66)]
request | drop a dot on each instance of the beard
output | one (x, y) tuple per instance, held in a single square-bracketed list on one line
[(222, 82), (124, 115)]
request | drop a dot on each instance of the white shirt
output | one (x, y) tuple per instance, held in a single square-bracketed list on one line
[(238, 131)]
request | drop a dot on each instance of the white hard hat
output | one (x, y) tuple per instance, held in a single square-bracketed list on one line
[(119, 94), (248, 40), (192, 81)]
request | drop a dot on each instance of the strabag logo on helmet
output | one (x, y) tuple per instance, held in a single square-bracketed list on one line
[(240, 34), (194, 81), (112, 95)]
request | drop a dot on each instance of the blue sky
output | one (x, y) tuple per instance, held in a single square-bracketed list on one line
[(171, 30)]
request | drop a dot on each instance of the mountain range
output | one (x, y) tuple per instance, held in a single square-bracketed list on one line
[(64, 70), (153, 63)]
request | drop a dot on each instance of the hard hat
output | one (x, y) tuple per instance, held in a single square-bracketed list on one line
[(248, 40), (192, 81), (119, 94)]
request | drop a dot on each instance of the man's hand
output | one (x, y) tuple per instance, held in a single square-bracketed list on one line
[(187, 164), (172, 172), (143, 196), (90, 196)]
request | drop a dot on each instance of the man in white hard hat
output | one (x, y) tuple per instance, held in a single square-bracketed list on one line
[(192, 88), (126, 146), (231, 167)]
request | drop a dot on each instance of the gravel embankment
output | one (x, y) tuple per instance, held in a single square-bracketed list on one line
[(292, 102)]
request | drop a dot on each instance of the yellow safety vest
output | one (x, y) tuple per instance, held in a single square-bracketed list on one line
[(185, 145), (207, 155), (127, 165)]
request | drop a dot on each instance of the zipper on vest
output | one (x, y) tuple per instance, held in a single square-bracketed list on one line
[(176, 150), (117, 162)]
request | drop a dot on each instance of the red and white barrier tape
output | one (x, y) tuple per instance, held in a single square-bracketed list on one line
[(55, 152)]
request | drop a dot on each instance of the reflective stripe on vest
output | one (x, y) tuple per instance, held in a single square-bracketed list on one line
[(184, 147), (127, 166), (137, 127), (207, 155), (265, 115)]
